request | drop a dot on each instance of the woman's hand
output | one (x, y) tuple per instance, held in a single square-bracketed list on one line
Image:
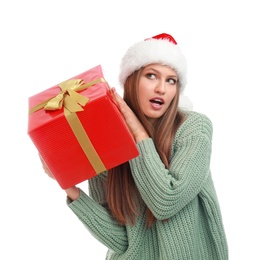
[(45, 168), (135, 126), (73, 192)]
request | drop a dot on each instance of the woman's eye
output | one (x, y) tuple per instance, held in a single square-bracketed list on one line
[(150, 76), (172, 81)]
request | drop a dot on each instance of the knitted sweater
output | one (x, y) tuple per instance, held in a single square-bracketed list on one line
[(184, 194)]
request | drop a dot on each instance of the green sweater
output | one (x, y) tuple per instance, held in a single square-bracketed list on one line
[(184, 194)]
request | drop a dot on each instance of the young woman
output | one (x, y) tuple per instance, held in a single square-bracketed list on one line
[(161, 205)]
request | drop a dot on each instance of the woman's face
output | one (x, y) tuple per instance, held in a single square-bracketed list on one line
[(156, 90)]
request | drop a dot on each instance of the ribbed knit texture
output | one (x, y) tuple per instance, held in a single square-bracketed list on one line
[(184, 195)]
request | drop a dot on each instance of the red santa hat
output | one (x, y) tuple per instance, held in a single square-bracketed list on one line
[(162, 49)]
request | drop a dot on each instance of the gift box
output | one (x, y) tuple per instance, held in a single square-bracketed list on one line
[(78, 130)]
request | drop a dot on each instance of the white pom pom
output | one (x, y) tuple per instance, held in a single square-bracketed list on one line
[(185, 103)]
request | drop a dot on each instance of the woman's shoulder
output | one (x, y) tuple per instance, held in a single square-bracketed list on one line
[(194, 124), (196, 117)]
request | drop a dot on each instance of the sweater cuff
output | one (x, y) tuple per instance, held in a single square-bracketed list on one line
[(146, 146)]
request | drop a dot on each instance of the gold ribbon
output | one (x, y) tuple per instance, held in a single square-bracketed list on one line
[(72, 103), (68, 97)]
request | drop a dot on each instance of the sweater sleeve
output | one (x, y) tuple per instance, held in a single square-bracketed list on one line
[(97, 188), (96, 218), (167, 191)]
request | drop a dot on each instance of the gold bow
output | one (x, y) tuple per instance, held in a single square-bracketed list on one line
[(68, 97)]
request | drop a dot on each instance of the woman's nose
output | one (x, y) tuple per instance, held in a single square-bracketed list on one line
[(160, 88)]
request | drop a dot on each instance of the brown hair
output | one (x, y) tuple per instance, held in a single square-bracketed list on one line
[(122, 194)]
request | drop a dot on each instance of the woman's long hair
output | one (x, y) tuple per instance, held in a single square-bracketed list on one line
[(123, 197)]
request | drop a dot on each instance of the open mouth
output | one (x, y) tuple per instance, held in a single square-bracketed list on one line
[(157, 101)]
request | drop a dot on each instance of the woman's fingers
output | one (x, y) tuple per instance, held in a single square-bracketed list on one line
[(45, 168), (131, 119)]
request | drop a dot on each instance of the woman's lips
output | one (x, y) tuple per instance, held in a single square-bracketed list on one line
[(157, 103)]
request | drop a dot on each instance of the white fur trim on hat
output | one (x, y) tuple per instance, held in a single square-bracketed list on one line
[(150, 51)]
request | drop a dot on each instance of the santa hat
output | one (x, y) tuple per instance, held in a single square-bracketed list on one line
[(161, 49)]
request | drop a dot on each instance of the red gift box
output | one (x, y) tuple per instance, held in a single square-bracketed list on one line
[(78, 130)]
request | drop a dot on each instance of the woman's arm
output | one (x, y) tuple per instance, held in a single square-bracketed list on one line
[(94, 216), (99, 222), (167, 191)]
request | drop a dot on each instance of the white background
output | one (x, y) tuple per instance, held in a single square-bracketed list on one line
[(45, 42)]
